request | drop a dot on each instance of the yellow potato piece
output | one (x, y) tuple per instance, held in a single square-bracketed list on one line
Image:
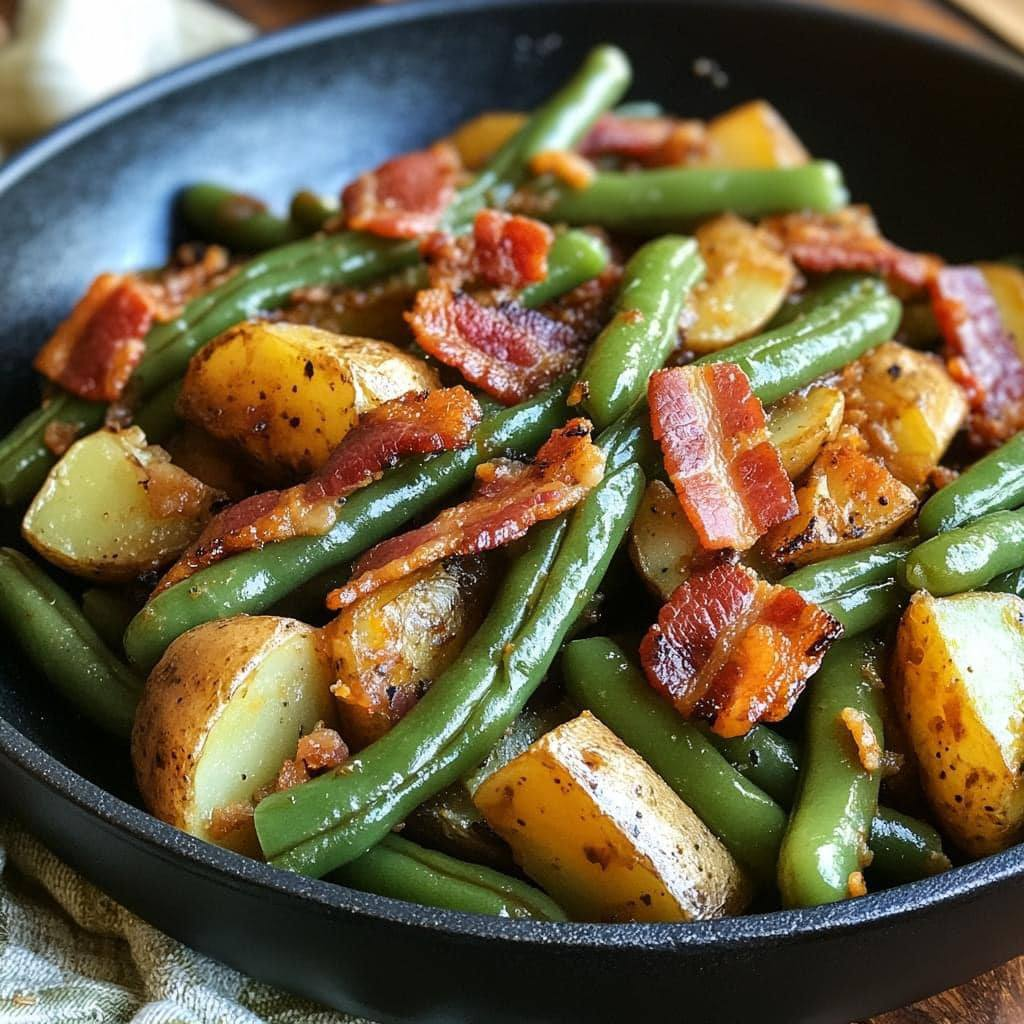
[(906, 406), (748, 278), (662, 542), (801, 424), (754, 135), (849, 501), (596, 827), (114, 508), (478, 139), (286, 394), (221, 711), (958, 683)]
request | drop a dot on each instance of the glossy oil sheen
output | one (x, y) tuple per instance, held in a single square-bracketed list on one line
[(929, 135)]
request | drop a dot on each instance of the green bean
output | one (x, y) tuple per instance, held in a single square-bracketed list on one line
[(643, 329), (109, 612), (826, 841), (219, 214), (968, 557), (905, 849), (317, 826), (404, 871), (859, 589), (158, 417), (348, 258), (59, 641), (862, 315), (669, 199), (311, 211), (255, 580), (1011, 582), (827, 290), (994, 483), (639, 108), (575, 257), (559, 123), (768, 760), (600, 677)]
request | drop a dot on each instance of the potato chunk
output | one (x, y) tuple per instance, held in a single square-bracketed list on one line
[(906, 406), (479, 138), (114, 508), (1006, 282), (959, 685), (748, 279), (802, 424), (388, 647), (221, 712), (754, 135), (287, 394), (593, 824), (848, 502), (662, 543)]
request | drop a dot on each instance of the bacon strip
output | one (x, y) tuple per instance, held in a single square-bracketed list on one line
[(92, 354), (510, 497), (982, 354), (418, 423), (734, 650), (507, 350), (405, 197), (849, 240), (651, 141), (718, 455), (510, 250)]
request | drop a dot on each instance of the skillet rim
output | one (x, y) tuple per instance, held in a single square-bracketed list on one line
[(954, 887)]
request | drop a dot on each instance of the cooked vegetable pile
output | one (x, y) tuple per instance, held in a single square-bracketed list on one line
[(590, 516)]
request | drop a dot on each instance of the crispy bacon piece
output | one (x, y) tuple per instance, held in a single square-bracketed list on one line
[(93, 353), (418, 423), (193, 271), (718, 455), (405, 197), (507, 350), (510, 497), (734, 650), (982, 355), (651, 141), (849, 240), (509, 250), (317, 752)]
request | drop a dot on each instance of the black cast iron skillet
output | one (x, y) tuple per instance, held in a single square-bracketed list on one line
[(928, 133)]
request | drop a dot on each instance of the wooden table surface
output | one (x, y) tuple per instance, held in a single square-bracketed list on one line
[(993, 998)]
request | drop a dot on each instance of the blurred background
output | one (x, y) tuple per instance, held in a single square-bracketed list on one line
[(47, 74)]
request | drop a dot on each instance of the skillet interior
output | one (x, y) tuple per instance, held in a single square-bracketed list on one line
[(925, 133)]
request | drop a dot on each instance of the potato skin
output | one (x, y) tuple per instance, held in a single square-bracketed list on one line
[(388, 647), (185, 694), (590, 820), (662, 543), (958, 682), (286, 394), (114, 508), (754, 135)]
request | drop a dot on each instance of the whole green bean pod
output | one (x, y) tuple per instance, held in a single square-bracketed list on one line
[(994, 483), (255, 580), (905, 849), (158, 417), (643, 329), (968, 557), (668, 199), (109, 612), (575, 257), (219, 214), (58, 639), (322, 824), (599, 677), (831, 287), (859, 589), (826, 842), (1011, 582), (405, 871), (348, 258), (770, 761), (862, 315), (311, 211)]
